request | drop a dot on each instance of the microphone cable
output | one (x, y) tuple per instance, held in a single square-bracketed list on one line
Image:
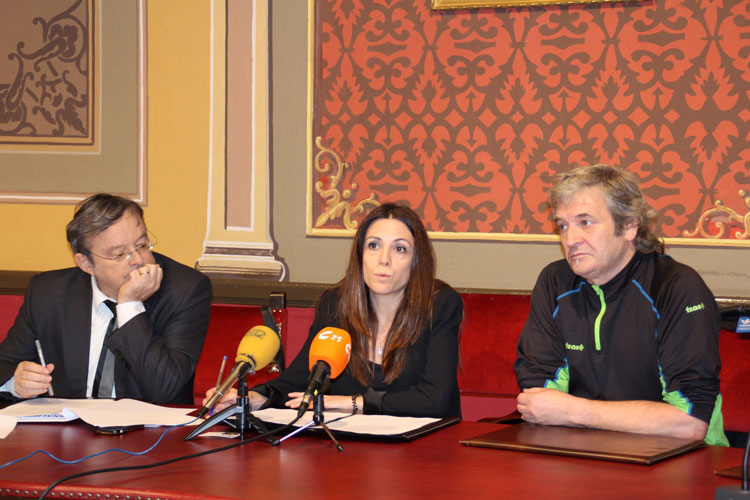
[(79, 460), (163, 462)]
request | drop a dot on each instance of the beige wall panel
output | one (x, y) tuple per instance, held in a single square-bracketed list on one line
[(178, 62)]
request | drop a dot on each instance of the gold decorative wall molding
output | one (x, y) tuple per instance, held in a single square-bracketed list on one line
[(336, 197), (723, 218)]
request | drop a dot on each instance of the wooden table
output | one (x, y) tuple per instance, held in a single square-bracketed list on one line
[(434, 466)]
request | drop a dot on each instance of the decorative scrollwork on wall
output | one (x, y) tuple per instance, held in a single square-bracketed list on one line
[(723, 217), (337, 201), (50, 94)]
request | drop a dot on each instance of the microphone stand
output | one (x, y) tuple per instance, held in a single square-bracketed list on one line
[(318, 419), (243, 417)]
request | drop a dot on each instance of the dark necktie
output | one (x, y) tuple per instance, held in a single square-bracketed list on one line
[(105, 369)]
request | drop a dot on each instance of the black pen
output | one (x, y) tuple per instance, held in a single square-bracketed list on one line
[(41, 358)]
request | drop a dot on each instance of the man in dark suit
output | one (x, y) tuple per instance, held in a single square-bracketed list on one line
[(147, 350)]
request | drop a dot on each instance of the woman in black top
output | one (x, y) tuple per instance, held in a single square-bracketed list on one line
[(403, 322)]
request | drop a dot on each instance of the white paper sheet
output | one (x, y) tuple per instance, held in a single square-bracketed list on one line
[(7, 424), (42, 410), (97, 412), (380, 425)]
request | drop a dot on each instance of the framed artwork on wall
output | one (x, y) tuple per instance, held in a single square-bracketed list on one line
[(73, 115), (474, 4), (467, 116)]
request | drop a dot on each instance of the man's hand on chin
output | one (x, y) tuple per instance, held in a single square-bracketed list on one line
[(143, 282)]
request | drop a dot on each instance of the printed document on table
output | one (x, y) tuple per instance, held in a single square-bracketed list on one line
[(97, 412), (45, 409)]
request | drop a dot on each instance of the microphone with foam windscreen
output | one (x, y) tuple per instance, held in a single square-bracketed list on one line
[(257, 348), (330, 351)]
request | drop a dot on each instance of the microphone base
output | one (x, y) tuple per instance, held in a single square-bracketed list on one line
[(217, 418), (237, 416)]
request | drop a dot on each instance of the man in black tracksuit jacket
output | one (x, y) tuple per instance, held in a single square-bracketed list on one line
[(619, 336)]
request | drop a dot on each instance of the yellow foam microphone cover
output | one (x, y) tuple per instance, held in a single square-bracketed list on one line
[(259, 346)]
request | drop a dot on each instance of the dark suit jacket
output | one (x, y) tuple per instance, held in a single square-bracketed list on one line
[(156, 351)]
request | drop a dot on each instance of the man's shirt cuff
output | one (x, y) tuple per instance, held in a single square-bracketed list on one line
[(8, 387), (128, 310)]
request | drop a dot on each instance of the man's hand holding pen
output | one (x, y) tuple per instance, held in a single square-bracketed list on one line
[(32, 379)]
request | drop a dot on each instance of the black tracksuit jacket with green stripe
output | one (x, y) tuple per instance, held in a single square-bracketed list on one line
[(651, 333)]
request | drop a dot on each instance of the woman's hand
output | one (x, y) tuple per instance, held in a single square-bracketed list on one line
[(255, 399), (335, 403), (226, 400)]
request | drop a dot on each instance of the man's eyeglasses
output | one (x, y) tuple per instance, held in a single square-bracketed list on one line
[(141, 248)]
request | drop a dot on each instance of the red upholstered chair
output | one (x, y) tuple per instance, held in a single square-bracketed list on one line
[(490, 330), (228, 324), (734, 349), (9, 305)]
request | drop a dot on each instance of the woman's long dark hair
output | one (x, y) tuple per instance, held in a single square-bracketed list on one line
[(355, 311)]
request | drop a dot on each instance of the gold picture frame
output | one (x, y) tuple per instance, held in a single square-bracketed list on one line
[(474, 4)]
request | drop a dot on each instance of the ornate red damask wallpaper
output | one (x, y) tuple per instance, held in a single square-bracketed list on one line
[(467, 115)]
